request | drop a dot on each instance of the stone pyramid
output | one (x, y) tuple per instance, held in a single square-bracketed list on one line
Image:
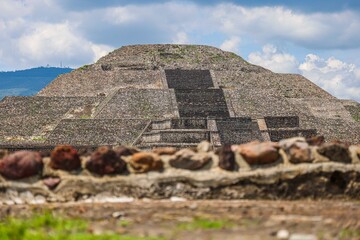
[(174, 95)]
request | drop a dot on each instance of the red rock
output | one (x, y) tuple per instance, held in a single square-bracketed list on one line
[(125, 151), (336, 151), (65, 157), (188, 159), (259, 152), (51, 182), (105, 161), (21, 164), (227, 158), (164, 151), (143, 162)]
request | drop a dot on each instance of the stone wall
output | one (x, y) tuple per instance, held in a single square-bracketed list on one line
[(93, 81), (279, 85), (257, 103), (140, 103), (296, 168), (96, 131), (27, 116)]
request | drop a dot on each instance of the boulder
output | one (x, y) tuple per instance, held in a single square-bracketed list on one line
[(204, 146), (105, 161), (65, 157), (188, 159), (21, 164), (164, 151), (227, 158), (297, 150), (336, 151), (258, 152), (125, 151), (143, 162)]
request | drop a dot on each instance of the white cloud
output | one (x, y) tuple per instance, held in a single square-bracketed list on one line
[(95, 30), (52, 43), (316, 30), (120, 15), (181, 38), (273, 59), (335, 76), (231, 44)]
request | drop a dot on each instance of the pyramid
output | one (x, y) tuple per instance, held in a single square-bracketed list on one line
[(174, 95)]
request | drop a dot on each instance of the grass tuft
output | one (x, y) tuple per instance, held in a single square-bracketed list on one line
[(49, 227)]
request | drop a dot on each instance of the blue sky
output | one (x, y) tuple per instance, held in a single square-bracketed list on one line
[(318, 39)]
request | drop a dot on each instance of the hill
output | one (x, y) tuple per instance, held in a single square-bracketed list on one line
[(29, 81)]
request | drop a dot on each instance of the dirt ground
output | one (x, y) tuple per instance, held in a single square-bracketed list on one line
[(212, 219)]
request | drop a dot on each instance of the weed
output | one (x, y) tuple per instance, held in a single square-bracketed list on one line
[(202, 223), (85, 67), (47, 226), (349, 234)]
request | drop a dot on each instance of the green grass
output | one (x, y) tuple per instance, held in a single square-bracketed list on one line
[(85, 67), (85, 116), (203, 224), (349, 234), (49, 227), (38, 139)]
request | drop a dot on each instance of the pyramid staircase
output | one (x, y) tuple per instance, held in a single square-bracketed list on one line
[(178, 133), (204, 115)]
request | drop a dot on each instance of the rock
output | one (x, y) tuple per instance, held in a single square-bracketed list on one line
[(259, 152), (143, 162), (355, 153), (125, 151), (282, 234), (227, 158), (316, 141), (105, 161), (204, 146), (51, 182), (298, 236), (297, 150), (39, 199), (65, 157), (21, 164), (188, 159), (118, 215), (336, 151), (164, 151)]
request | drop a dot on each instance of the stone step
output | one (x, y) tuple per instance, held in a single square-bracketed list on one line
[(203, 112), (188, 79), (201, 103), (150, 146), (176, 136), (183, 123), (281, 121), (283, 133)]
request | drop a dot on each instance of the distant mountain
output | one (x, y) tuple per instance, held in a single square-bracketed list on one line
[(28, 82)]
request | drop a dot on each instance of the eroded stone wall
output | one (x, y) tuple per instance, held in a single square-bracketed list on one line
[(290, 169)]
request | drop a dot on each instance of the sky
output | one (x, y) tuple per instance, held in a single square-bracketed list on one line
[(318, 39)]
